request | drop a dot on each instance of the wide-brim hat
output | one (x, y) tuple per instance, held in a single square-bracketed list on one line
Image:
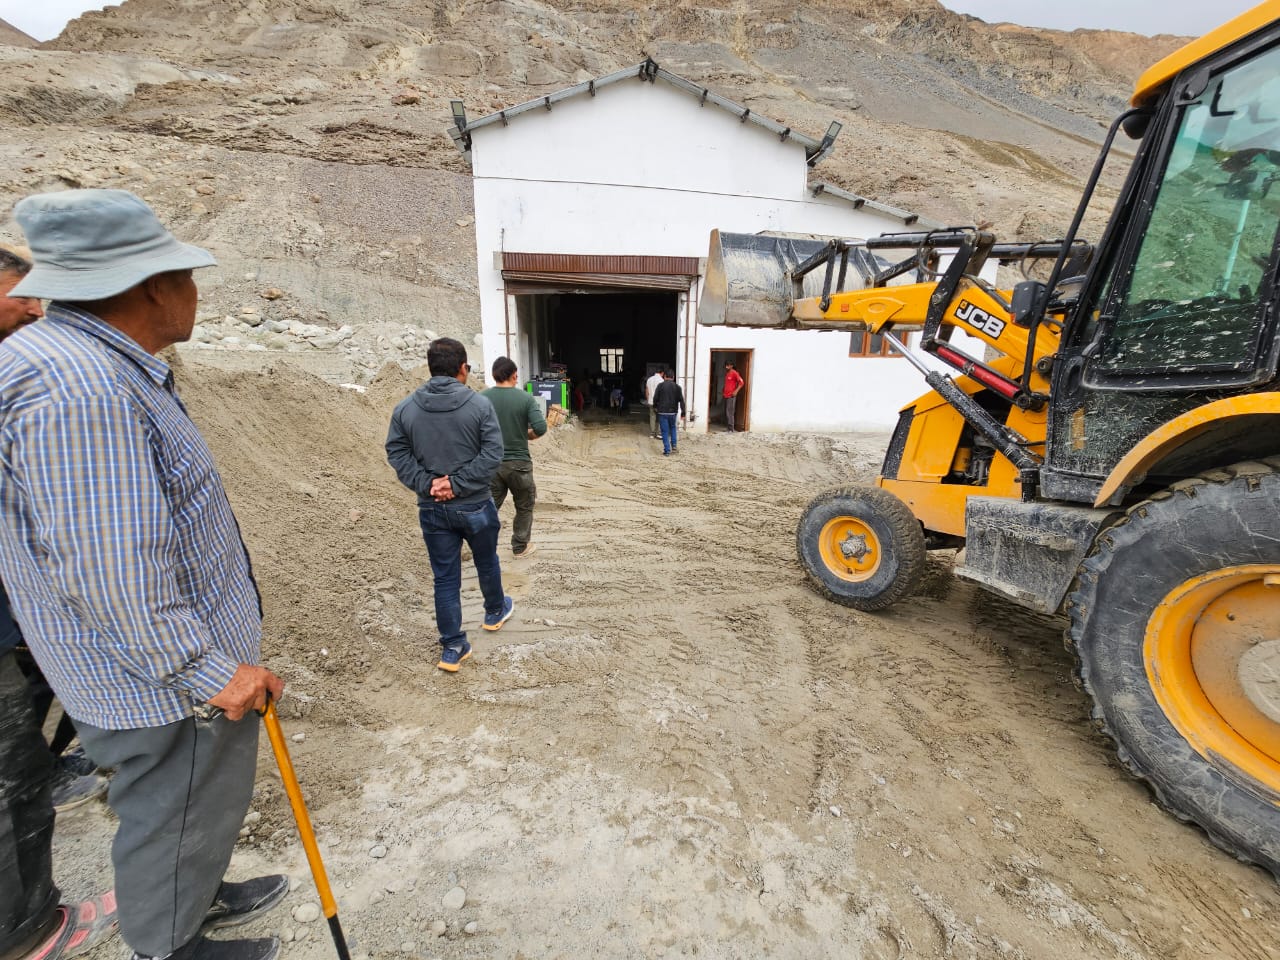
[(93, 244)]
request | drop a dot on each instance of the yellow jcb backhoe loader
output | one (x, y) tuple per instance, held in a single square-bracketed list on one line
[(1114, 453)]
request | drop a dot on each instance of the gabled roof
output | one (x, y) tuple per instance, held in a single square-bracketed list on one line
[(649, 70)]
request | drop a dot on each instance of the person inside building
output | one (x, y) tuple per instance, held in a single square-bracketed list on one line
[(669, 399), (650, 388), (733, 384)]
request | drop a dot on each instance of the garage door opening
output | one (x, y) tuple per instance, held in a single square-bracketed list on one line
[(602, 342)]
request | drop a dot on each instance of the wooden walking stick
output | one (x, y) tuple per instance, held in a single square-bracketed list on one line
[(308, 836)]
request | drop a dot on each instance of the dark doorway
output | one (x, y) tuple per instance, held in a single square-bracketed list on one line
[(608, 341), (741, 360)]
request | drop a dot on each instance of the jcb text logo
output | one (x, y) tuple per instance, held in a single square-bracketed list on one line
[(979, 319)]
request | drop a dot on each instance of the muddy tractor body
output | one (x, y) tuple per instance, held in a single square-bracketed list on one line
[(1104, 443)]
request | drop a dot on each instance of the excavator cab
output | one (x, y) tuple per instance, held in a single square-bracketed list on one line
[(1181, 307), (1113, 455)]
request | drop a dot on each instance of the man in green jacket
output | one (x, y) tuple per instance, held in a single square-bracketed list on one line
[(521, 421)]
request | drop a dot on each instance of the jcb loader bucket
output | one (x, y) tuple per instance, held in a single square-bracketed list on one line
[(749, 278)]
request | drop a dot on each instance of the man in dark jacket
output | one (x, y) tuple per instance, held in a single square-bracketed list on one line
[(668, 399), (445, 445)]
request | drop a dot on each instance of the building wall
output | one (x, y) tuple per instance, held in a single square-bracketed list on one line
[(642, 169), (640, 134)]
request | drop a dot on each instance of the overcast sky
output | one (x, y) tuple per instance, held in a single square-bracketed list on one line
[(44, 19), (1181, 17)]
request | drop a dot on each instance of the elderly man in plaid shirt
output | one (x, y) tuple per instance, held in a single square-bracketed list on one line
[(126, 570)]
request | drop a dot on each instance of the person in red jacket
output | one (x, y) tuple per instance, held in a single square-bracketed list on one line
[(733, 384)]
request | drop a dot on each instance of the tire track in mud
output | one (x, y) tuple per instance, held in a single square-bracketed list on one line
[(706, 691), (674, 737), (648, 759)]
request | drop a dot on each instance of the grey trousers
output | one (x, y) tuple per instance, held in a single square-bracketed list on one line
[(653, 420), (730, 408), (181, 792)]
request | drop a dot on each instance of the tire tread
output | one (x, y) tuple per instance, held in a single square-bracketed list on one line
[(1124, 532), (908, 543)]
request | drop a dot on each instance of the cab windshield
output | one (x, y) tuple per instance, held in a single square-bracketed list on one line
[(1191, 299)]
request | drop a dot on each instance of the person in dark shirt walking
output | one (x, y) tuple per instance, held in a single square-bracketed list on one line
[(521, 421), (445, 445), (667, 400)]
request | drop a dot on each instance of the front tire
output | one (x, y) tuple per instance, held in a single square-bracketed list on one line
[(861, 547), (1175, 618)]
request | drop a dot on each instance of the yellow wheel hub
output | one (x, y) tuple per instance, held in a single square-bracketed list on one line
[(850, 548), (1212, 654)]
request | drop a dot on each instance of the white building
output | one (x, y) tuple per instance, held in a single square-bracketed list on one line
[(593, 211)]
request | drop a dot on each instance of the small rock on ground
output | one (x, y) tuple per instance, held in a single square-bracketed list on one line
[(455, 899), (306, 912)]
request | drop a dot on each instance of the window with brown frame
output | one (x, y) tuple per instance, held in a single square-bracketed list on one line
[(870, 345)]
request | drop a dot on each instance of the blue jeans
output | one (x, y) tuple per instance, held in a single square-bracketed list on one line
[(667, 426), (444, 527)]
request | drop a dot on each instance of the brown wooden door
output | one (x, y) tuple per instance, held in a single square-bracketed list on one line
[(742, 413)]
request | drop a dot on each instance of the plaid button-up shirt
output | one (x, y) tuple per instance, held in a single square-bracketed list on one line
[(121, 555)]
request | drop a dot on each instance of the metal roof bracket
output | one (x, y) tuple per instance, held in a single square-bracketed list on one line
[(786, 132), (503, 115), (702, 101), (546, 102), (591, 87), (745, 114)]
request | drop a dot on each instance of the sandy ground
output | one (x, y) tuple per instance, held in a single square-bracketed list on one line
[(675, 748)]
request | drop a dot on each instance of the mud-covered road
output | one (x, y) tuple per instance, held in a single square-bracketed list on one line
[(675, 748)]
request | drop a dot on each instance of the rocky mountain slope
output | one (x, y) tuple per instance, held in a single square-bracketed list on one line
[(305, 140), (12, 36)]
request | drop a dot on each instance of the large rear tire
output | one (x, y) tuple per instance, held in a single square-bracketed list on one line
[(861, 547), (1175, 618)]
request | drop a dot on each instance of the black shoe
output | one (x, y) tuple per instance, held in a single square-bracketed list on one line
[(77, 762), (69, 791), (203, 949), (238, 903)]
